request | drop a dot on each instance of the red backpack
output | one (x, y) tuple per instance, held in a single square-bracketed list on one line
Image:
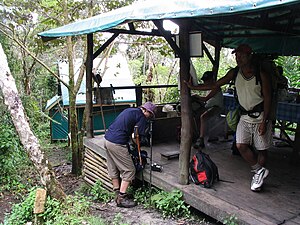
[(203, 170)]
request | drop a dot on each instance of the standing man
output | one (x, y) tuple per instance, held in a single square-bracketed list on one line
[(254, 127), (119, 161)]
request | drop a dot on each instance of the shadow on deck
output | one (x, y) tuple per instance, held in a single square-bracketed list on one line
[(277, 203)]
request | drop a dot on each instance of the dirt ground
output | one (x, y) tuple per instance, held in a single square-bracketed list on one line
[(109, 212)]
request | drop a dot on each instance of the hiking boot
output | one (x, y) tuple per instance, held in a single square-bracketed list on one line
[(258, 179), (124, 201), (199, 143), (117, 192)]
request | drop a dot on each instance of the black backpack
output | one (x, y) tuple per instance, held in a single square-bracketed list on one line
[(133, 151), (203, 170)]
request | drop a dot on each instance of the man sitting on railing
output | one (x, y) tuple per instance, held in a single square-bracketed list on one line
[(207, 106)]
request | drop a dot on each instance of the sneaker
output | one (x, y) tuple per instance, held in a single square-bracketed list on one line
[(258, 179), (199, 143), (125, 202)]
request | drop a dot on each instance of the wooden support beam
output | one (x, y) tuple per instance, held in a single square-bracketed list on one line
[(170, 40), (185, 99), (217, 59), (104, 46), (89, 87)]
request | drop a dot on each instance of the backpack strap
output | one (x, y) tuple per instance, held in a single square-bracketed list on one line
[(232, 83), (235, 70), (255, 112)]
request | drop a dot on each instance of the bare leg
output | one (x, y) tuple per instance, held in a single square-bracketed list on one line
[(262, 157), (203, 118), (202, 124), (124, 186), (116, 183), (247, 154)]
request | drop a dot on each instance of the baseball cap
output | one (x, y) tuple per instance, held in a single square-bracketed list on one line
[(243, 48), (207, 75), (150, 107)]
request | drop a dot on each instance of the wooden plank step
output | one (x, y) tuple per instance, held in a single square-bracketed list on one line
[(170, 155)]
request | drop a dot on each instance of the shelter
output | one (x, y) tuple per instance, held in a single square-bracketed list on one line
[(269, 26)]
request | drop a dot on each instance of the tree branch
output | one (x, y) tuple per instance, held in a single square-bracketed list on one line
[(31, 54)]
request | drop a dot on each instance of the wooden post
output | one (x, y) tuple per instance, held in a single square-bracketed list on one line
[(217, 60), (138, 94), (185, 99), (39, 205), (89, 87)]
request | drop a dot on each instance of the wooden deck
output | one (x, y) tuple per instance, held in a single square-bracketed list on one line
[(277, 203)]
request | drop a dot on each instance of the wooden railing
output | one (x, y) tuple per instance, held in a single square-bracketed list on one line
[(138, 90)]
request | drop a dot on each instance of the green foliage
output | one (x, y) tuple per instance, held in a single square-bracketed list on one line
[(291, 69), (13, 160), (171, 204), (22, 212), (75, 210), (118, 220), (142, 195), (99, 193), (38, 121), (14, 67), (136, 68), (114, 4), (231, 220)]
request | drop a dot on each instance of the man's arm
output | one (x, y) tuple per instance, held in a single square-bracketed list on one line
[(204, 87), (266, 92)]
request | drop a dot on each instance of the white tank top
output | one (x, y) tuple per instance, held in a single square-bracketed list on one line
[(249, 94), (216, 100)]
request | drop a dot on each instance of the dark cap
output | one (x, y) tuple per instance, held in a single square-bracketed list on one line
[(207, 75), (243, 48)]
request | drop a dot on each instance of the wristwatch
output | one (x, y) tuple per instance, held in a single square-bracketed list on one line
[(266, 121)]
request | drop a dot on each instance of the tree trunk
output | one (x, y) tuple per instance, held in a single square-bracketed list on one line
[(27, 138)]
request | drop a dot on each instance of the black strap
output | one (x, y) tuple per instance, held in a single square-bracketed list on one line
[(255, 112)]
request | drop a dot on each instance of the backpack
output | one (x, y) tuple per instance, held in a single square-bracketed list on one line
[(266, 64), (133, 151), (203, 170), (232, 118)]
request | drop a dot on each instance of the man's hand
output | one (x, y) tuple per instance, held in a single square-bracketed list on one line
[(262, 128), (189, 83)]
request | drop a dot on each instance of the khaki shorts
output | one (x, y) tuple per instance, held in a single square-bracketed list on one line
[(119, 162), (247, 133)]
